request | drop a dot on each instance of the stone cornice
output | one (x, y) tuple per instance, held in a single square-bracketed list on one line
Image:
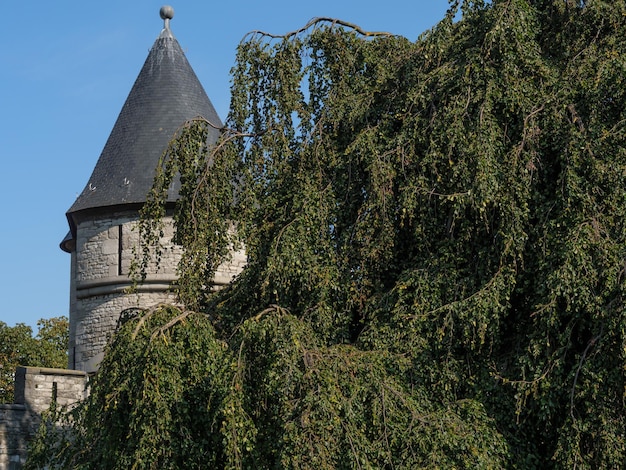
[(121, 284)]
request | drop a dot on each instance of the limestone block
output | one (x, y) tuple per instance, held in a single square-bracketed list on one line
[(110, 247)]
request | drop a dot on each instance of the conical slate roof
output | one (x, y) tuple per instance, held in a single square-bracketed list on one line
[(165, 95)]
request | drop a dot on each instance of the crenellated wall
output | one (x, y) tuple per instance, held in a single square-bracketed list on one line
[(35, 389)]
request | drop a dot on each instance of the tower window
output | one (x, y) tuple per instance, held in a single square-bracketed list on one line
[(120, 245)]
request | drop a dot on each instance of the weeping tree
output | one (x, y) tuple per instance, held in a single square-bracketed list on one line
[(436, 240)]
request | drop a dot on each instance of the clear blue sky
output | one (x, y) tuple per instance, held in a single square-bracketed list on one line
[(66, 68)]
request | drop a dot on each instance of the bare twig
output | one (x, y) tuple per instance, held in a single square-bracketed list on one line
[(314, 23)]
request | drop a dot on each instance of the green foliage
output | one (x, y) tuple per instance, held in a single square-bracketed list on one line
[(18, 347), (170, 373), (436, 240), (170, 394)]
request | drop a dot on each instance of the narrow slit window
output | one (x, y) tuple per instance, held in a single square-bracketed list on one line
[(120, 246)]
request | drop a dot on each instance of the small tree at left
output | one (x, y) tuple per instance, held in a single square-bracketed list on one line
[(18, 346)]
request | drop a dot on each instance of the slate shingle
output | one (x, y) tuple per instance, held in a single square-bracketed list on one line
[(165, 95)]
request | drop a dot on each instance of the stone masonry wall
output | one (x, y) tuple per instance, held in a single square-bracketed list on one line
[(104, 247), (96, 321), (100, 266), (35, 389)]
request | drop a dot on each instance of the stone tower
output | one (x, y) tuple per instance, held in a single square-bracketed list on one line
[(100, 240)]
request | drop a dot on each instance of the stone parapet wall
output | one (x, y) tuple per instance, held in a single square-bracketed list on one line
[(35, 390), (38, 387)]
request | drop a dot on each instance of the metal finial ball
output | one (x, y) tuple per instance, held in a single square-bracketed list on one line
[(166, 12)]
